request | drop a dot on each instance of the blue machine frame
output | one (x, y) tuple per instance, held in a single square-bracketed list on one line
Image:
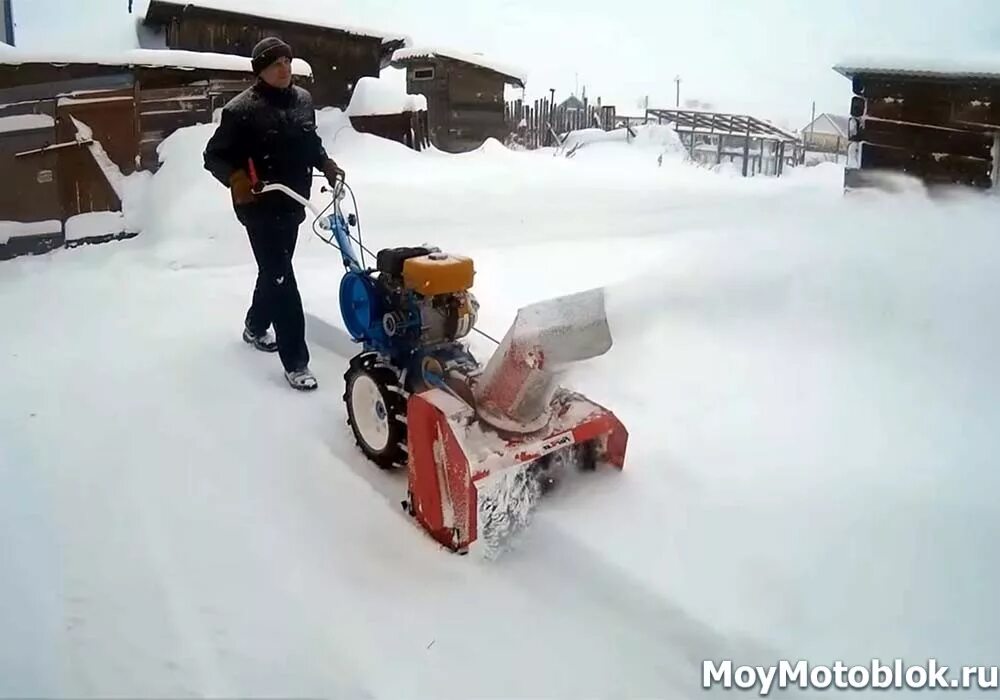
[(363, 310)]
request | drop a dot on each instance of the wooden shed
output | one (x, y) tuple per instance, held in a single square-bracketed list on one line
[(73, 127), (937, 122), (382, 108), (465, 95), (339, 54)]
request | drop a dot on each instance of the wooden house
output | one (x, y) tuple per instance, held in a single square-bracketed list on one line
[(340, 55), (73, 127), (827, 133), (465, 95), (938, 123)]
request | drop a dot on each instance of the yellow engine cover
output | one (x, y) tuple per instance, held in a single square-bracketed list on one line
[(438, 273)]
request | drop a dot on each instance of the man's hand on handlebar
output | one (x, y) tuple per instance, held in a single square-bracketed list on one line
[(241, 187), (334, 173)]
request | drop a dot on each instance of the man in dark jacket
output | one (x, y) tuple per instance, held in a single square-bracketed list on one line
[(268, 134)]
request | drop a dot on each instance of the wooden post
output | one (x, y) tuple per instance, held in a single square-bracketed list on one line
[(781, 158), (760, 165), (535, 125), (718, 154), (746, 150)]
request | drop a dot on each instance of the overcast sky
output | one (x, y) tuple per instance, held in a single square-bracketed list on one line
[(769, 57)]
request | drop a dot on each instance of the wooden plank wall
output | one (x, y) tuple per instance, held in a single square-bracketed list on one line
[(407, 128), (163, 110), (338, 60), (940, 132), (538, 123)]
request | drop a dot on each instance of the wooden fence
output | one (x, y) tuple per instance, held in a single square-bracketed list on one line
[(543, 123)]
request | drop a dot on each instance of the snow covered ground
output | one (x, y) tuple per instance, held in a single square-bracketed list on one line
[(809, 380)]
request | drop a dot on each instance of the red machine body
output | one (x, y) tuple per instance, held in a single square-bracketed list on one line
[(456, 463)]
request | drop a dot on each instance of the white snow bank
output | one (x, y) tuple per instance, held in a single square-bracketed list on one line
[(474, 59), (655, 136), (94, 225), (26, 122), (156, 58), (811, 406), (20, 229), (265, 10), (375, 96), (976, 66)]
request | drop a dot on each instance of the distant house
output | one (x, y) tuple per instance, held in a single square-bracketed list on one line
[(72, 127), (465, 95), (938, 122), (6, 22), (340, 55), (827, 133), (571, 104)]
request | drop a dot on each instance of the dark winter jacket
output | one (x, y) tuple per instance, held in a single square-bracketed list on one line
[(276, 129)]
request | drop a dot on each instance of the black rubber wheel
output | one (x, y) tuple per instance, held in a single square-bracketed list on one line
[(376, 411)]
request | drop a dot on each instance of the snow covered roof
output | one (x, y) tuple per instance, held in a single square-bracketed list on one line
[(156, 58), (719, 123), (921, 67), (838, 124), (25, 122), (411, 54), (157, 8), (375, 96)]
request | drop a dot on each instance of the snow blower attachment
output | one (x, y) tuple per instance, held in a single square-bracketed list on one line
[(481, 445)]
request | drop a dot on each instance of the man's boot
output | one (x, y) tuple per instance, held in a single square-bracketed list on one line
[(302, 379), (264, 343)]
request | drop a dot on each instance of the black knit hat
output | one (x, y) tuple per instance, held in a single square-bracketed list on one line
[(267, 51)]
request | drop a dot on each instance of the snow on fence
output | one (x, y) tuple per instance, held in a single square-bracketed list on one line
[(544, 123)]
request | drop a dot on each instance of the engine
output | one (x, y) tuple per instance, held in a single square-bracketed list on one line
[(426, 296)]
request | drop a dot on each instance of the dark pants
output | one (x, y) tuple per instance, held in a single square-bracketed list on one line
[(276, 297)]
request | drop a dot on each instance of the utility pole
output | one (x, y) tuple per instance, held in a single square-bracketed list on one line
[(812, 125), (678, 81)]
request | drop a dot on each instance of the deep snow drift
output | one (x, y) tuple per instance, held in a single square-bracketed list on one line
[(809, 381)]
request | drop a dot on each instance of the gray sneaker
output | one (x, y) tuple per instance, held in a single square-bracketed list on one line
[(302, 379), (264, 343)]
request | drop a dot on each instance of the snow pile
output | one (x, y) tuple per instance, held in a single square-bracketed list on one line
[(966, 66), (95, 225), (26, 122), (375, 96), (809, 382), (157, 58), (19, 229), (313, 17), (646, 147)]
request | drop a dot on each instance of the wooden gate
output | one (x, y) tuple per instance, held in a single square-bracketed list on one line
[(29, 199), (104, 129)]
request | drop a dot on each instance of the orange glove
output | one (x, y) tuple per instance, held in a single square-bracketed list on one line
[(241, 188)]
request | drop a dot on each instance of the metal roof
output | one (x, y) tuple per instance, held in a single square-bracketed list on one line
[(982, 68), (517, 75), (158, 10), (719, 123)]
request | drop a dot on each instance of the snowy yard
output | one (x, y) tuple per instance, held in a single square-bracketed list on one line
[(809, 380)]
